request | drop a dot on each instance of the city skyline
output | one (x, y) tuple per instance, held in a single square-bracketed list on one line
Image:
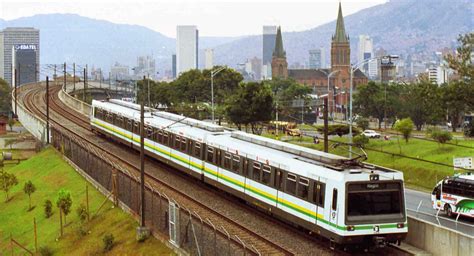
[(200, 13)]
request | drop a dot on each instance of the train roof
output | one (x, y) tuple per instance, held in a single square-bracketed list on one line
[(297, 159)]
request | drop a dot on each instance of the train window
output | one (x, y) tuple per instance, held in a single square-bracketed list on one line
[(256, 170), (96, 112), (177, 142), (197, 150), (136, 128), (334, 199), (183, 144), (155, 134), (266, 175), (165, 138), (318, 193), (291, 183), (227, 160), (149, 132), (210, 154), (160, 136), (303, 185), (129, 125), (278, 179), (236, 164)]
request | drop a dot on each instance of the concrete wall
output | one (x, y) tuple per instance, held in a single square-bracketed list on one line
[(438, 240), (35, 125), (74, 103)]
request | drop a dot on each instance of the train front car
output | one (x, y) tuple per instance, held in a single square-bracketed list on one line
[(374, 207)]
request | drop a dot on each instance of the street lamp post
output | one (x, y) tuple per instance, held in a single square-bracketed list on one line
[(352, 69), (213, 73), (329, 76)]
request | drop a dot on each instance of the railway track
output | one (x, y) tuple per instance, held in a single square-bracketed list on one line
[(260, 244)]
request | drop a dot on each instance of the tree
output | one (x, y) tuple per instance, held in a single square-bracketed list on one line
[(7, 181), (48, 208), (361, 140), (337, 129), (458, 96), (363, 123), (441, 136), (29, 189), (5, 96), (377, 100), (251, 104), (64, 202), (422, 103), (405, 127), (286, 91)]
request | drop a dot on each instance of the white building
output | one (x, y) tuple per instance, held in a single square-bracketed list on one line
[(209, 58), (373, 71), (438, 75), (365, 50), (187, 39), (119, 72)]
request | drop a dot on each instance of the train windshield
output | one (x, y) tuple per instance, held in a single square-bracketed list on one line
[(375, 203)]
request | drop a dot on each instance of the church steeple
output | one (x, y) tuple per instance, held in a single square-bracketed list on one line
[(340, 35), (279, 64), (279, 52)]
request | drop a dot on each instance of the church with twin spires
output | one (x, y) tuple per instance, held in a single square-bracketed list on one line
[(317, 78)]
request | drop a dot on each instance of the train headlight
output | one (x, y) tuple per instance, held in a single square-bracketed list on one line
[(400, 225), (374, 177), (350, 228)]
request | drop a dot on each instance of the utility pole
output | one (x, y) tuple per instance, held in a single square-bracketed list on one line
[(326, 144), (47, 110), (148, 82), (84, 87), (54, 76), (100, 78), (64, 75), (142, 231), (110, 83), (74, 76)]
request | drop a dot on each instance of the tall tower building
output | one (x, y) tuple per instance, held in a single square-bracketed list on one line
[(365, 50), (340, 49), (187, 40), (20, 49), (279, 64), (209, 58), (269, 35), (317, 58)]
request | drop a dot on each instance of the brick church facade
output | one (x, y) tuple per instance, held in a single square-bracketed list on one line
[(318, 78)]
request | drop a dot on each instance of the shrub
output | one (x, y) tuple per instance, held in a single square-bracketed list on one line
[(48, 208), (108, 240), (441, 136), (338, 129), (469, 130), (405, 127), (45, 251), (360, 140), (82, 212), (363, 123)]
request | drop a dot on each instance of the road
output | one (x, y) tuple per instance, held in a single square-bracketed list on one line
[(426, 212)]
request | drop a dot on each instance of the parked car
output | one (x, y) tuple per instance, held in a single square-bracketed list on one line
[(371, 134)]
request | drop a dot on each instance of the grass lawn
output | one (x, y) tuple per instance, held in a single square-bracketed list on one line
[(49, 173), (418, 174)]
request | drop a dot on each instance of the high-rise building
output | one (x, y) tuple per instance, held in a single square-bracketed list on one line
[(438, 75), (145, 67), (269, 35), (187, 40), (209, 58), (20, 49), (317, 58), (365, 51), (119, 72), (173, 65)]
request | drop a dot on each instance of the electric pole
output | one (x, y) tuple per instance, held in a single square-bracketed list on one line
[(326, 144), (142, 231), (84, 87), (47, 110), (64, 79), (74, 76)]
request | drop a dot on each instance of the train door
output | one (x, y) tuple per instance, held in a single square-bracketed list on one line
[(333, 211)]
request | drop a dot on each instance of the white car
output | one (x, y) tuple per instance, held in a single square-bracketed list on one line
[(371, 134)]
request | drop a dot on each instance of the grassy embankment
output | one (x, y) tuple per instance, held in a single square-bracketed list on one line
[(418, 174), (49, 173)]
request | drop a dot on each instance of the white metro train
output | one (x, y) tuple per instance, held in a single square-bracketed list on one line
[(344, 200)]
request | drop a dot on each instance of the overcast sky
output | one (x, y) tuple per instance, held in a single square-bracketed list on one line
[(213, 18)]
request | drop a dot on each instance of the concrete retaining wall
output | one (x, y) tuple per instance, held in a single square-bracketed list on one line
[(35, 125), (76, 104), (438, 240)]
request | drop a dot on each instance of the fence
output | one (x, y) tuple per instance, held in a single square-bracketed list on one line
[(182, 227)]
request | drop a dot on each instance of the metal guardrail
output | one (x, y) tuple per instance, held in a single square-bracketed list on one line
[(452, 224)]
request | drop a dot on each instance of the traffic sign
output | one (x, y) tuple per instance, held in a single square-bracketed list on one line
[(463, 162)]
